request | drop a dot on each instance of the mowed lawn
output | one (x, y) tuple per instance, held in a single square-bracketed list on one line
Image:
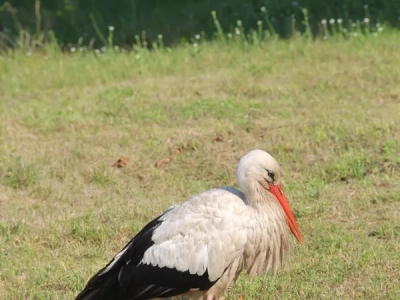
[(328, 111)]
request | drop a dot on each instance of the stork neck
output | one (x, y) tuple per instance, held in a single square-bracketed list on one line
[(257, 196)]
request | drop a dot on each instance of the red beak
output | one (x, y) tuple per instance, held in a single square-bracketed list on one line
[(277, 191)]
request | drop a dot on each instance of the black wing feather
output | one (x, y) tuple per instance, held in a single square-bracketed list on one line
[(129, 280)]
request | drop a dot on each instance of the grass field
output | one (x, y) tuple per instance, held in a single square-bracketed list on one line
[(328, 111)]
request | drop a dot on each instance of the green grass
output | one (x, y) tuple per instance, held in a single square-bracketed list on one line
[(328, 111)]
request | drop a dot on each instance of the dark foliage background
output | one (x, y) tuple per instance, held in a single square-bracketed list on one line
[(176, 19)]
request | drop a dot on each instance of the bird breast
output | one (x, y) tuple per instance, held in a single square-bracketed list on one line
[(268, 242)]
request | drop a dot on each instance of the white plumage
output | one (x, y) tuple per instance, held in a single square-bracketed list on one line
[(200, 247), (212, 235)]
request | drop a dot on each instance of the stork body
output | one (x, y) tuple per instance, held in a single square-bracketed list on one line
[(199, 248)]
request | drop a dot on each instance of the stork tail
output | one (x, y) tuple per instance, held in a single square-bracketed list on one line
[(101, 287)]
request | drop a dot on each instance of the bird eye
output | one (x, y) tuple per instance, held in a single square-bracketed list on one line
[(271, 175)]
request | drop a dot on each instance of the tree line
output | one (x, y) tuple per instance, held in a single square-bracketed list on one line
[(73, 21)]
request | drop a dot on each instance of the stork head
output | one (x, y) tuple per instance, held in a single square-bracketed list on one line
[(258, 169)]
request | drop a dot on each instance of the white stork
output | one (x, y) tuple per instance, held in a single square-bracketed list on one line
[(199, 248)]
